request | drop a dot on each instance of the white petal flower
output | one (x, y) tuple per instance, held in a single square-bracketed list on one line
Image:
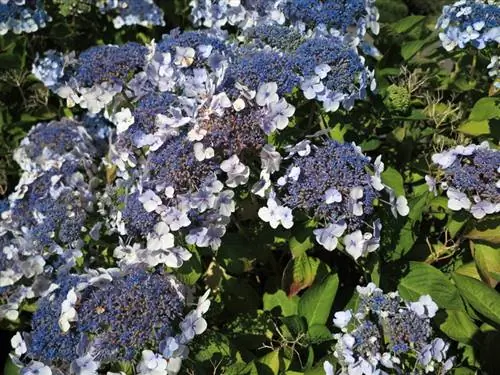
[(328, 367), (402, 206), (184, 56), (152, 364), (457, 200), (122, 119), (332, 195), (342, 318), (424, 307), (36, 368), (328, 237), (355, 244), (482, 208), (85, 365), (18, 344), (150, 201), (270, 214), (267, 94), (445, 158)]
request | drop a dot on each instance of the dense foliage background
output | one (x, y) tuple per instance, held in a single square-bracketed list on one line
[(275, 291)]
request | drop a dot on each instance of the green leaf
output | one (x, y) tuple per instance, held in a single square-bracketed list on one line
[(288, 305), (475, 127), (425, 279), (456, 222), (410, 49), (299, 244), (485, 109), (303, 273), (316, 303), (370, 145), (488, 263), (407, 23), (319, 333), (482, 298), (10, 368), (394, 180), (295, 324), (464, 371), (459, 327), (486, 230), (240, 368), (272, 361), (469, 269)]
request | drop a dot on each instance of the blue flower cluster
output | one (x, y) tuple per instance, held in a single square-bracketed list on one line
[(132, 12), (337, 15), (470, 176), (332, 72), (474, 22), (22, 16), (386, 334), (47, 213), (252, 67), (28, 16), (50, 68), (332, 185), (105, 316)]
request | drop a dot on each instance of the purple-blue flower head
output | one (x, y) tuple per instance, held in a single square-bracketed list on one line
[(137, 309), (174, 165), (235, 133), (337, 14), (253, 68), (331, 166), (110, 63), (345, 65)]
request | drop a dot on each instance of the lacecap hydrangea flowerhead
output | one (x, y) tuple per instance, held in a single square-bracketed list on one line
[(184, 187), (470, 22), (470, 175), (132, 12), (22, 16), (331, 183), (337, 15), (48, 213), (388, 335), (91, 322)]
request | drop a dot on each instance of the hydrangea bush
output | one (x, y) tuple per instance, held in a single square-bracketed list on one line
[(201, 187)]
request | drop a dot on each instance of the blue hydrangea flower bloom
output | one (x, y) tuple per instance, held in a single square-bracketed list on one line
[(22, 16), (194, 39), (276, 36), (118, 319), (174, 164), (132, 12), (341, 15), (253, 68), (331, 165), (387, 333), (109, 63), (145, 112), (135, 310), (48, 343), (57, 216), (333, 71), (337, 14), (235, 133), (469, 22), (50, 68), (471, 178), (137, 220)]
